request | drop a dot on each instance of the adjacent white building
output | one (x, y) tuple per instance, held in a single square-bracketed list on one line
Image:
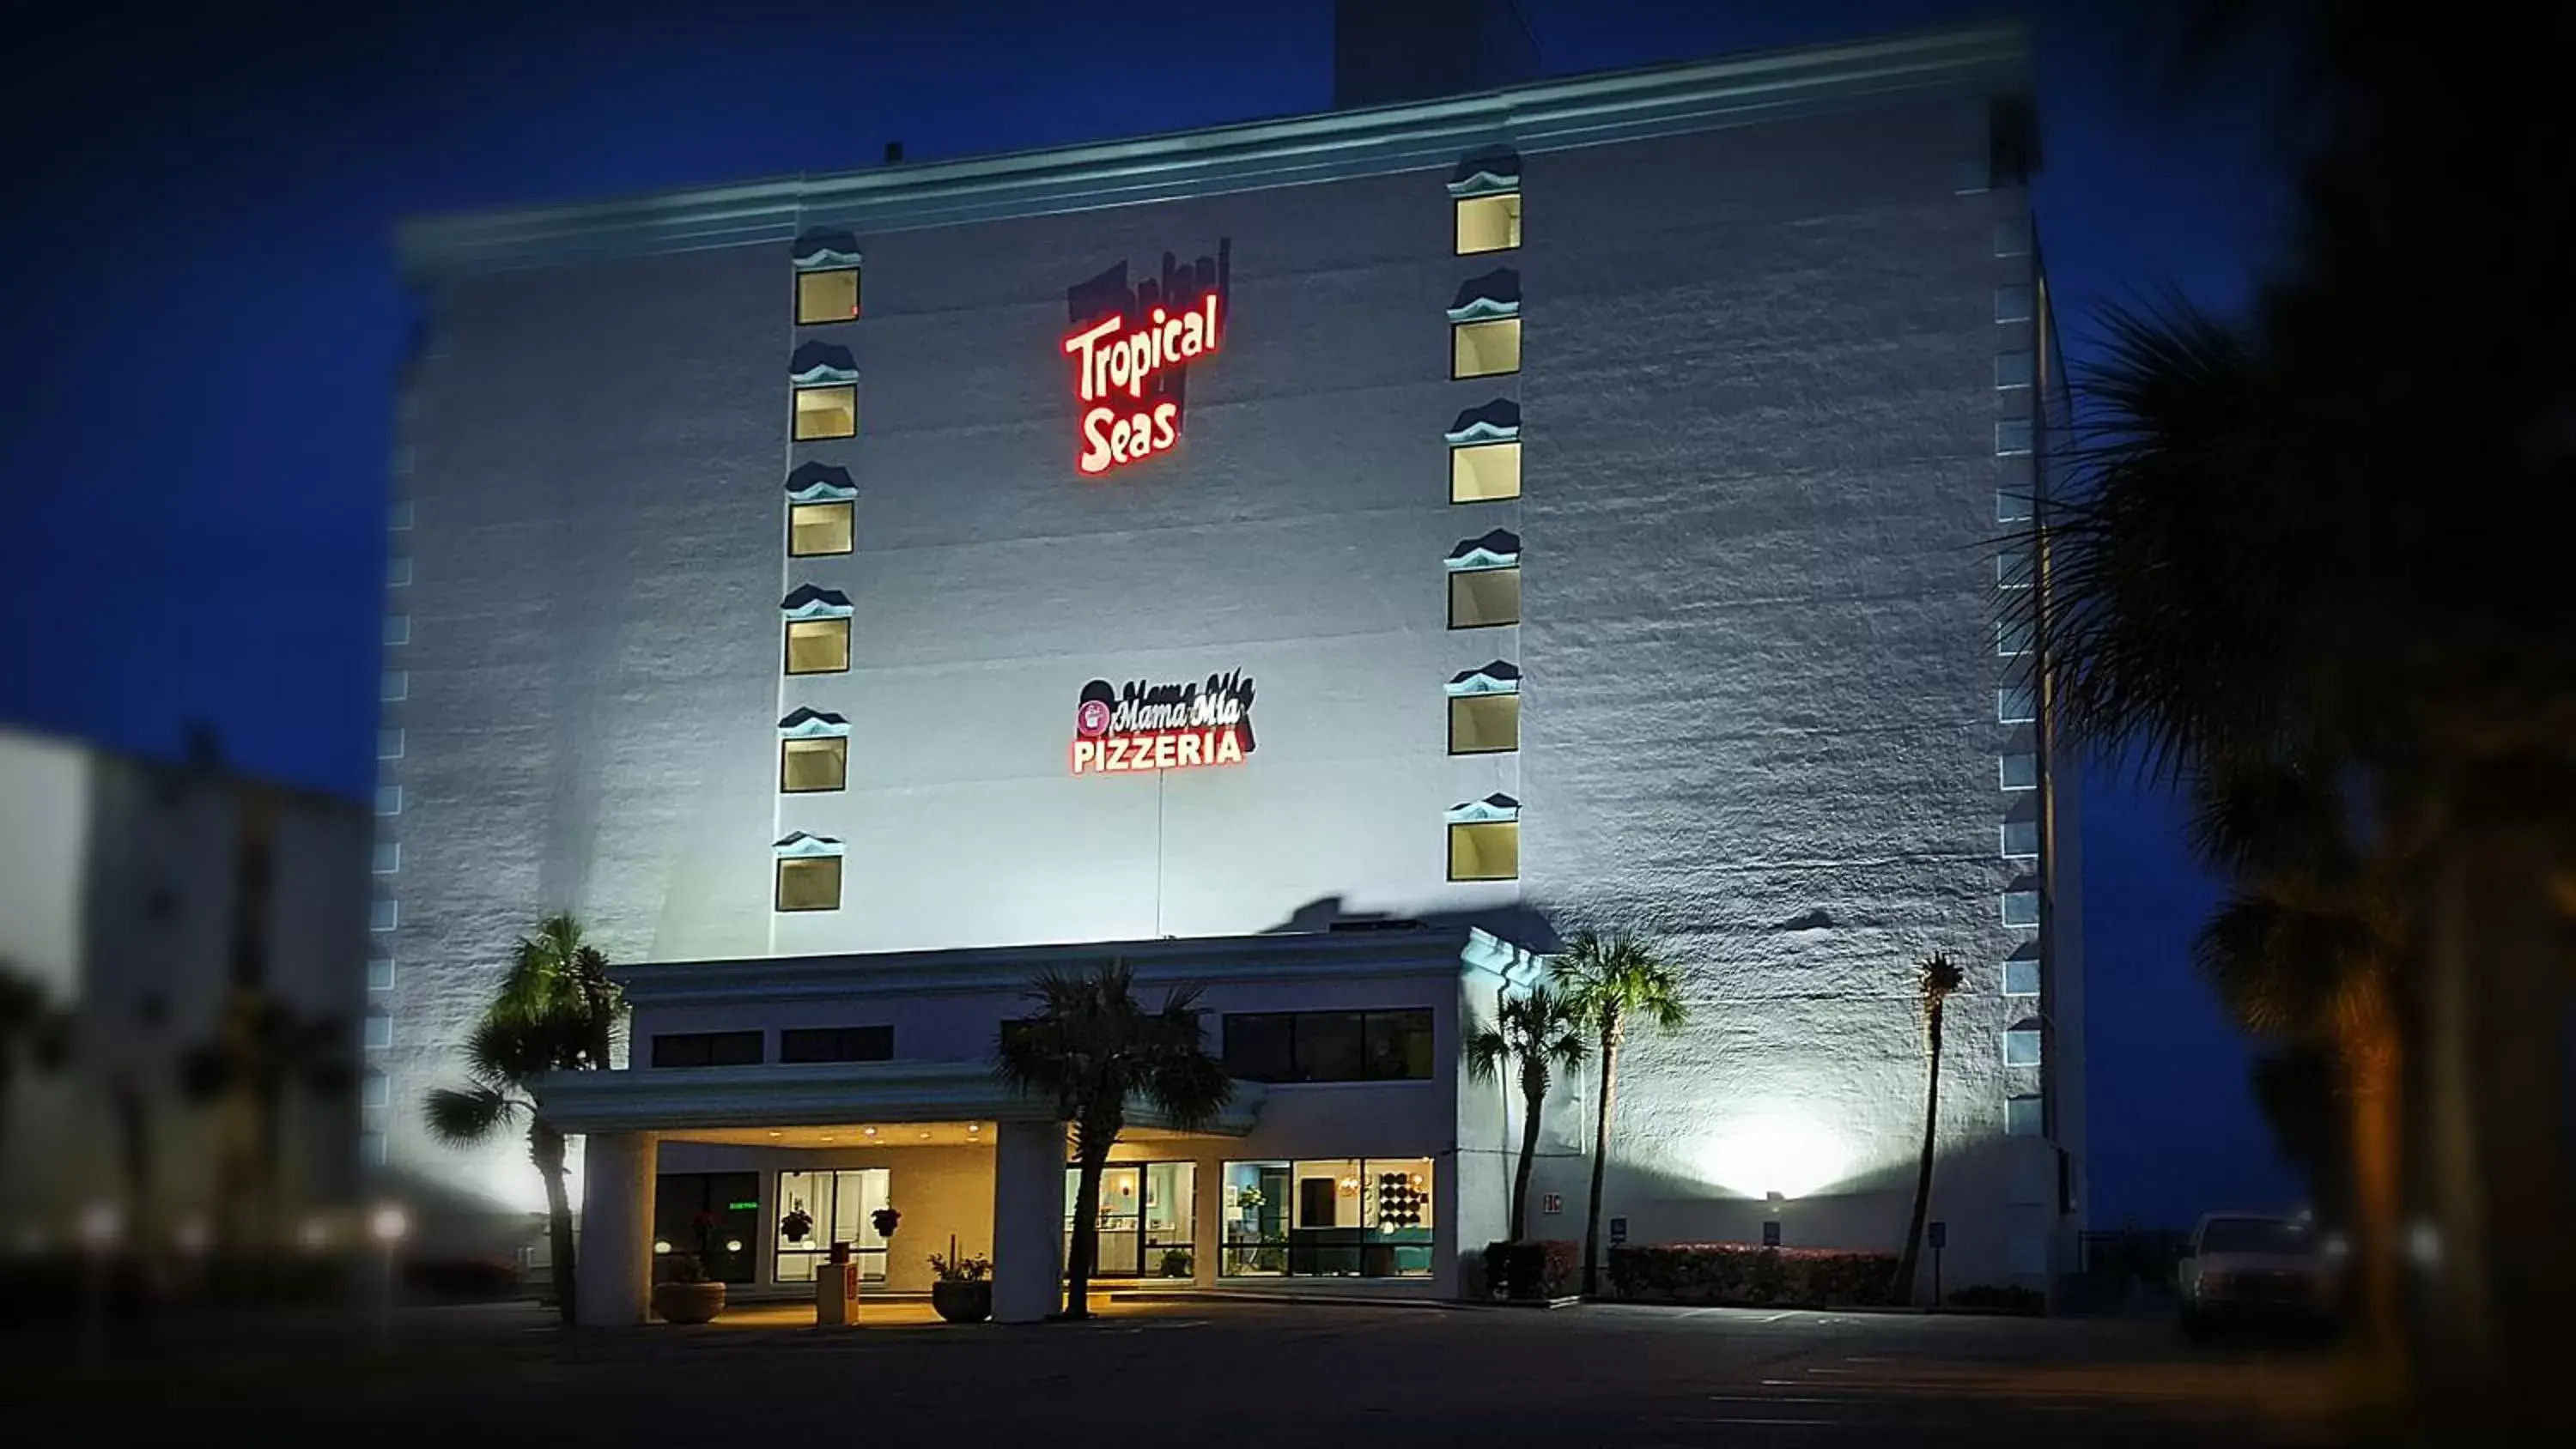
[(1325, 560)]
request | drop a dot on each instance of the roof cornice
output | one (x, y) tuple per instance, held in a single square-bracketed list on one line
[(1547, 115)]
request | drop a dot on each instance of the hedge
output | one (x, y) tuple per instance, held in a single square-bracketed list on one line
[(1532, 1269), (1742, 1275)]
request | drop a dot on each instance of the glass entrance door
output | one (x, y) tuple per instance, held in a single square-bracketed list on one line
[(1147, 1211), (818, 1209)]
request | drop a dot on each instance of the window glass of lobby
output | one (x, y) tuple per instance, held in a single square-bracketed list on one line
[(1489, 223), (836, 1044), (818, 646), (1148, 1211), (1485, 850), (835, 1207), (1485, 349), (827, 412), (811, 883), (713, 1217), (818, 528), (807, 766), (1481, 598), (1330, 1217), (827, 296), (1485, 472), (706, 1049), (1483, 724)]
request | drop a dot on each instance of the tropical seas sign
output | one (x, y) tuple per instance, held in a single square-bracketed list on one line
[(1146, 725), (1131, 347)]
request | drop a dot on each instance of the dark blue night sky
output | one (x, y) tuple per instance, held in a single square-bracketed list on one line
[(203, 323)]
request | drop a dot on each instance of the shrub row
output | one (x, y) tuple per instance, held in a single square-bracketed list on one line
[(1743, 1275), (1533, 1269)]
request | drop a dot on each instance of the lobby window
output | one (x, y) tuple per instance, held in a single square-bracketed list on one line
[(840, 1207), (1329, 1218), (827, 412), (1148, 1217), (808, 873), (812, 766), (708, 1049), (2022, 1043), (1329, 1046), (829, 294), (2022, 1115), (836, 1044), (1489, 223), (2018, 771)]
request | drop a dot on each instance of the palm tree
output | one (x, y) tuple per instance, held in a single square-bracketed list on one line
[(1611, 982), (264, 1054), (32, 1030), (1540, 1032), (556, 1011), (1935, 977), (1092, 1047)]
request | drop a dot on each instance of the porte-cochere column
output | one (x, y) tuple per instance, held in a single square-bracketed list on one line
[(1028, 1220)]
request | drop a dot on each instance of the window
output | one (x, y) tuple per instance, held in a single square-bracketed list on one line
[(837, 1044), (1485, 850), (1329, 1046), (839, 1207), (376, 1030), (1148, 1211), (387, 858), (2012, 437), (396, 685), (2022, 1043), (1489, 223), (2014, 705), (713, 1217), (2012, 370), (1335, 1217), (2012, 303), (2011, 507), (2022, 1116), (810, 883), (1483, 598), (2015, 567), (1484, 724), (389, 744), (384, 915), (1485, 473), (818, 528), (2012, 638), (2021, 908), (806, 766), (2021, 840), (827, 412), (818, 646), (707, 1049), (1485, 349), (398, 573), (371, 1149), (380, 973), (398, 517), (2019, 771), (397, 629), (2021, 976), (827, 296), (374, 1090), (2012, 238), (389, 799)]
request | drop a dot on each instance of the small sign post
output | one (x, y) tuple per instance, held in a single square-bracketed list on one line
[(836, 1290), (1551, 1203), (1940, 1235), (1618, 1232)]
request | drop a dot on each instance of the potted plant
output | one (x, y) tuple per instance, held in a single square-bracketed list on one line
[(963, 1292), (685, 1295), (797, 1225), (1176, 1262), (885, 1220)]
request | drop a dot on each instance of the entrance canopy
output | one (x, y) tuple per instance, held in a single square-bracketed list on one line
[(822, 1094)]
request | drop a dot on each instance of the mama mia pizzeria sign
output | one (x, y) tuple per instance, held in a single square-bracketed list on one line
[(1153, 726)]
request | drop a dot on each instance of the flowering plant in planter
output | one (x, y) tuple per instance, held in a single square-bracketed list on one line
[(964, 1290)]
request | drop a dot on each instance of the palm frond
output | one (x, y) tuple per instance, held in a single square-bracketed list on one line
[(2279, 969), (463, 1118)]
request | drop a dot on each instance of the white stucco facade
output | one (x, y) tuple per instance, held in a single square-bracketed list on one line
[(1766, 402)]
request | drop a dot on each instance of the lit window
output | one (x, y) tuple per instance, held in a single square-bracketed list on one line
[(2011, 507), (2012, 370), (1485, 349), (398, 628), (827, 296), (395, 686), (375, 1090), (1482, 598), (2022, 1116), (2012, 637), (818, 646), (389, 799), (810, 765), (2019, 771), (2021, 1043), (827, 412), (2021, 908), (380, 973), (1485, 473), (1485, 839), (2012, 437), (387, 858), (377, 1030), (2021, 976), (389, 744), (1489, 223), (2012, 303), (384, 915), (810, 885), (818, 528), (2021, 840), (1484, 724), (2015, 706)]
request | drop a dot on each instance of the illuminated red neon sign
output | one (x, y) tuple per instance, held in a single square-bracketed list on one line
[(1162, 726), (1119, 356)]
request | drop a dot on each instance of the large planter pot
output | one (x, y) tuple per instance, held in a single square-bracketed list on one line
[(963, 1302), (688, 1302)]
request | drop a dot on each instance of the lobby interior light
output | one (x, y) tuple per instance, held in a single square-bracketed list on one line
[(660, 1246), (388, 1224), (101, 1225)]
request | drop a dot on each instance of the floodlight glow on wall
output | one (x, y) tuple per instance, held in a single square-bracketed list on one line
[(1774, 1157)]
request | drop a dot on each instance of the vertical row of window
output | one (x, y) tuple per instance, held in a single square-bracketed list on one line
[(1483, 704), (385, 854), (821, 522), (2017, 705)]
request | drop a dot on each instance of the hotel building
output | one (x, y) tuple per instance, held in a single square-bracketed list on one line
[(1324, 561)]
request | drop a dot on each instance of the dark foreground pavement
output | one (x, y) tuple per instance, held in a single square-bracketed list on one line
[(1213, 1376)]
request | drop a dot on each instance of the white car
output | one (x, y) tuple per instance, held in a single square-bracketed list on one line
[(2250, 1267)]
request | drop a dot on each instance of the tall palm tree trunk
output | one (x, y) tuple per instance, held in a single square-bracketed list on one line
[(1610, 1034), (1085, 1255), (1905, 1264), (546, 1148), (2370, 1060), (1533, 1096)]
